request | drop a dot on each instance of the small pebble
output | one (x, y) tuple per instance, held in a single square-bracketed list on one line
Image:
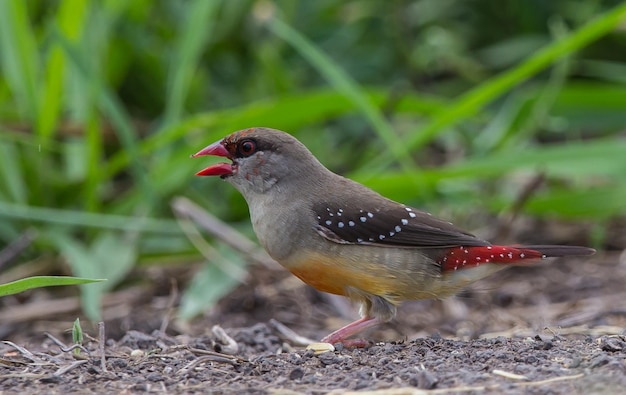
[(319, 348), (296, 374)]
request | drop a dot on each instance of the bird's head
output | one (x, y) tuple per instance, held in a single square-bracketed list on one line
[(261, 158)]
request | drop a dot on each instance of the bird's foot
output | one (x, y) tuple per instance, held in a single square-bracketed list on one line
[(340, 335)]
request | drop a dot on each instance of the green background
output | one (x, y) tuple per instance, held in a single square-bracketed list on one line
[(451, 106)]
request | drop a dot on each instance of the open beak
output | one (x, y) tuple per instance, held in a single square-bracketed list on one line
[(219, 169)]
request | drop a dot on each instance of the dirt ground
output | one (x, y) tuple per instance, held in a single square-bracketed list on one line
[(557, 327)]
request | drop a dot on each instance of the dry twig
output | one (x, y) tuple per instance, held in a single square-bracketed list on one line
[(290, 335), (171, 302), (64, 369), (185, 208), (229, 345), (209, 358), (198, 351), (44, 308), (507, 219), (65, 348), (25, 353), (102, 340)]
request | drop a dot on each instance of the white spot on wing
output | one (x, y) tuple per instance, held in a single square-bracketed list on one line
[(329, 222), (351, 223), (412, 215), (340, 224), (363, 219), (398, 228), (405, 221)]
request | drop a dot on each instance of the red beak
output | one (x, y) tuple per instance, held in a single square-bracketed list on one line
[(218, 169)]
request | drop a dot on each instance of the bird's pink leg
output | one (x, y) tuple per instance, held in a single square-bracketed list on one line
[(340, 335)]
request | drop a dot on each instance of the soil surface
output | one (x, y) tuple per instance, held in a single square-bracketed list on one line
[(556, 327)]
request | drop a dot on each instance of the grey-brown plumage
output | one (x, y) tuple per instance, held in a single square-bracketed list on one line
[(341, 237)]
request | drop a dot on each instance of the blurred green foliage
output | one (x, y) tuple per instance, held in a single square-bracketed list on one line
[(437, 103)]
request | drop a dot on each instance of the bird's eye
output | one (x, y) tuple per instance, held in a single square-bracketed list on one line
[(247, 147)]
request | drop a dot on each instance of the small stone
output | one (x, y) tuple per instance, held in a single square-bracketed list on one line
[(531, 359), (599, 361), (119, 363), (296, 374), (327, 358), (154, 377), (319, 348), (576, 361), (611, 344), (426, 380)]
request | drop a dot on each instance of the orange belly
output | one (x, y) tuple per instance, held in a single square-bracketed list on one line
[(335, 275), (393, 275)]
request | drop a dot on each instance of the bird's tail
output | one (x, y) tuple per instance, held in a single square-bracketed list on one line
[(549, 251), (469, 257)]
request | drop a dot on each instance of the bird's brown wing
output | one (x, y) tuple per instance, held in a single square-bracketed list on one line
[(389, 225)]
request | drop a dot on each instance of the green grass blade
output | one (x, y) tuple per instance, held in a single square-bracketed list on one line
[(346, 85), (69, 19), (84, 219), (18, 54), (12, 180), (580, 204), (195, 35), (210, 283), (288, 112), (576, 159), (470, 103), (77, 335), (599, 159), (111, 255), (93, 145), (115, 112), (41, 282)]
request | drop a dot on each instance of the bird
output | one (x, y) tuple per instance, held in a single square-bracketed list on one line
[(341, 237)]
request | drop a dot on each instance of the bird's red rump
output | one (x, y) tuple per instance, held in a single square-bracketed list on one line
[(467, 257)]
